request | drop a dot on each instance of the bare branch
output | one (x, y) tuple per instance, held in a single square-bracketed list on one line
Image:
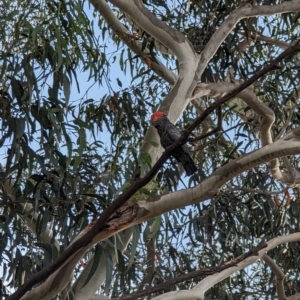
[(268, 40), (292, 177), (170, 37), (199, 290), (194, 274), (256, 191), (294, 297), (278, 275), (122, 32), (245, 10)]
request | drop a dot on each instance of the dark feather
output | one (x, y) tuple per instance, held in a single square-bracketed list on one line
[(169, 133)]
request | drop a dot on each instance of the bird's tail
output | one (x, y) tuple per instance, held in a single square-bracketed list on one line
[(189, 166)]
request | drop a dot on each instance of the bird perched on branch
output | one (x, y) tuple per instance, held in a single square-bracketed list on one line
[(169, 133)]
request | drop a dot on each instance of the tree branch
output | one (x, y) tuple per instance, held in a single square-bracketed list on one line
[(122, 32), (259, 37), (278, 275), (192, 275), (245, 10), (199, 290)]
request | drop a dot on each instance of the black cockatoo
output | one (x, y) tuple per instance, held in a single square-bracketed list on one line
[(169, 133)]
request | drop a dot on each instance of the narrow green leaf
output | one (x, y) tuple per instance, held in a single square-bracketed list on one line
[(38, 224), (67, 89), (81, 141), (119, 82), (44, 246), (155, 226), (19, 127), (44, 222), (134, 242), (81, 123), (154, 144), (96, 260), (109, 270)]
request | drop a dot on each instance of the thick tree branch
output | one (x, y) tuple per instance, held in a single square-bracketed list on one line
[(178, 98), (165, 34), (134, 45)]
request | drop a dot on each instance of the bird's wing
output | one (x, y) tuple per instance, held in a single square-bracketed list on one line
[(174, 133)]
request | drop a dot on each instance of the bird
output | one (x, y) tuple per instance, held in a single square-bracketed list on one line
[(169, 134)]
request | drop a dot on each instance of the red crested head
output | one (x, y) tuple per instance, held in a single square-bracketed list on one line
[(156, 116)]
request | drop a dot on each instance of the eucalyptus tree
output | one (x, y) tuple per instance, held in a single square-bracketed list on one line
[(91, 207)]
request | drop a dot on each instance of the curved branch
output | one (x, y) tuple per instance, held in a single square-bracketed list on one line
[(290, 178), (170, 37), (259, 37), (199, 290), (122, 32), (194, 274), (178, 98), (278, 275), (245, 10)]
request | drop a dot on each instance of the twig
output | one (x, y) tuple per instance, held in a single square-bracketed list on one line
[(215, 130)]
